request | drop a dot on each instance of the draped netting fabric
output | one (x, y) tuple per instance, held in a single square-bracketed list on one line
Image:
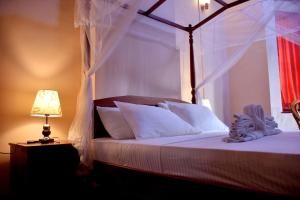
[(219, 44), (222, 42), (103, 24), (244, 25)]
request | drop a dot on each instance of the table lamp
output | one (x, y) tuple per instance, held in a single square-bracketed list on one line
[(46, 104)]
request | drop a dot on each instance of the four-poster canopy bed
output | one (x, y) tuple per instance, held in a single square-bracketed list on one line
[(256, 168)]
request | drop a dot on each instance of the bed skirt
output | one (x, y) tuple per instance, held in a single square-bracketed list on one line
[(119, 182)]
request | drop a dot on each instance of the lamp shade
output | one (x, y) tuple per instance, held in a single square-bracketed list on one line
[(46, 103)]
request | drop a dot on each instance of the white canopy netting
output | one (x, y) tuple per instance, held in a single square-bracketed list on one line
[(219, 44)]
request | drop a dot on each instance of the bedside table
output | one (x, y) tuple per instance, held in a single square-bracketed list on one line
[(42, 168)]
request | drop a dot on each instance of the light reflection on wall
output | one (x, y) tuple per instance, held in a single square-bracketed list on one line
[(35, 45), (41, 57)]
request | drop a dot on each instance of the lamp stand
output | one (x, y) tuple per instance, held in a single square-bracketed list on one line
[(46, 132)]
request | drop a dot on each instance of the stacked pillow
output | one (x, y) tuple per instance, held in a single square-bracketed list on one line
[(114, 123), (198, 116), (129, 121), (151, 122)]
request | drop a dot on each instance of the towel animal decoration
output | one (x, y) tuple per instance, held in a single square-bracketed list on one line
[(251, 125)]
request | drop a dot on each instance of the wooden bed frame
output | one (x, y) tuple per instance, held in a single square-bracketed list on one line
[(132, 182)]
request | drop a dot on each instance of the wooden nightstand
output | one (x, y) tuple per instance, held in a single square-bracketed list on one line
[(45, 169)]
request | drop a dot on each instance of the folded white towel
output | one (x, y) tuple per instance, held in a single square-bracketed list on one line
[(270, 123), (241, 117), (254, 111), (242, 125), (251, 125), (272, 132), (248, 137)]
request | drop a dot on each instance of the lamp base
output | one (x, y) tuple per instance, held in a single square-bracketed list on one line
[(46, 140)]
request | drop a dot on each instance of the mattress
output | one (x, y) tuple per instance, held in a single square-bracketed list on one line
[(270, 164)]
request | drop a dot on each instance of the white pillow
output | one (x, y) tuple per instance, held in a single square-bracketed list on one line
[(151, 122), (198, 116), (114, 123)]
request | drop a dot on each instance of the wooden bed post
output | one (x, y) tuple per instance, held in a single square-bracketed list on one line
[(192, 65), (190, 29)]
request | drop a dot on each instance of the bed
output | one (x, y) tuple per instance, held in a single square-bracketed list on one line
[(193, 164)]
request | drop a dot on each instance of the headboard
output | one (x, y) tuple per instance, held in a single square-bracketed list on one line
[(99, 130)]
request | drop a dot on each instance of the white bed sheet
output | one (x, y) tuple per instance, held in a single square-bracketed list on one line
[(270, 164)]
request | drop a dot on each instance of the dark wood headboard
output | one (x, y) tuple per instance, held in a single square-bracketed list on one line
[(99, 130)]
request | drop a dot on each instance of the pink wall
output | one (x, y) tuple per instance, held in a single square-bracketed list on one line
[(249, 83), (39, 49)]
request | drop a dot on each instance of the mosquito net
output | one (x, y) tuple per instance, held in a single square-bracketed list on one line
[(118, 43)]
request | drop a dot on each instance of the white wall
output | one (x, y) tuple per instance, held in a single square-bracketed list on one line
[(141, 65)]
